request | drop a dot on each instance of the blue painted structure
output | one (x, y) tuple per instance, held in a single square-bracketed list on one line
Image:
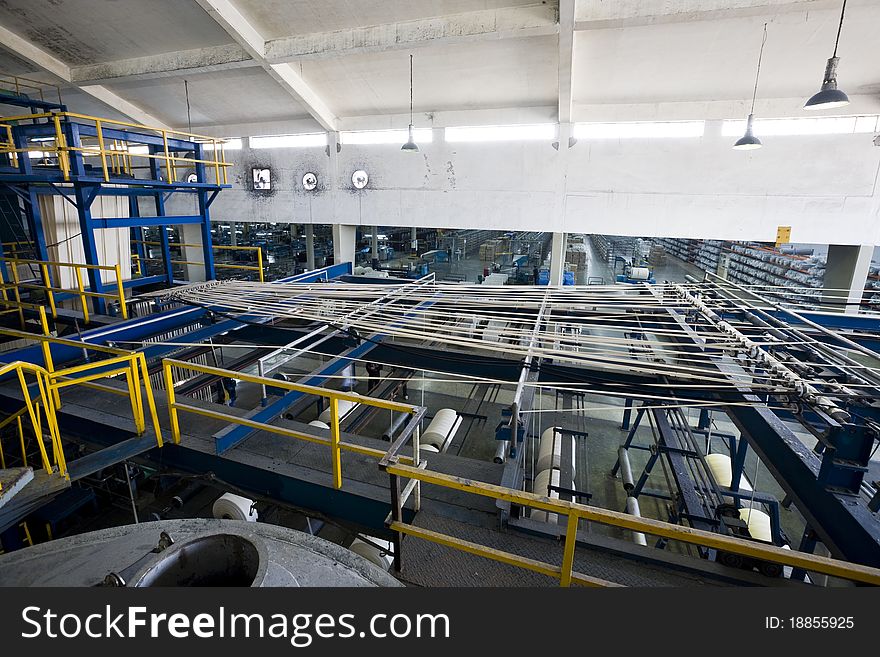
[(86, 183)]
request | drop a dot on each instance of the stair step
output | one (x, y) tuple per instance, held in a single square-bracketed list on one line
[(104, 458), (41, 489), (12, 481)]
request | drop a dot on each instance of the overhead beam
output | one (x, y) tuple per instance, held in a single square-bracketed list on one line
[(248, 37), (60, 73), (181, 62), (601, 15), (249, 49), (566, 58), (507, 22)]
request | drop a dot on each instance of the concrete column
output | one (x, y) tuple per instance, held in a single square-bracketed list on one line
[(310, 246), (557, 258), (375, 242), (233, 236), (344, 239), (192, 234), (292, 230), (845, 275), (414, 236)]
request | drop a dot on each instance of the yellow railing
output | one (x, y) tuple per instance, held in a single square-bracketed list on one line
[(119, 155), (130, 366), (217, 265), (577, 512), (23, 85), (41, 413), (15, 249), (16, 285), (336, 445)]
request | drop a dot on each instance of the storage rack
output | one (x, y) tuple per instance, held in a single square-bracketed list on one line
[(753, 263)]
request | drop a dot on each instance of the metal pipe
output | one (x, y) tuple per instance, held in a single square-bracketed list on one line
[(500, 451), (396, 423), (632, 508), (625, 469)]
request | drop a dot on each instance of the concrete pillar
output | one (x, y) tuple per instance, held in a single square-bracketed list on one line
[(292, 231), (233, 236), (414, 239), (557, 259), (375, 242), (845, 275), (310, 246), (344, 239), (192, 234)]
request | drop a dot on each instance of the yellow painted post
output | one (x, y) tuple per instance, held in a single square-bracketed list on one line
[(27, 534), (134, 396), (335, 454), (172, 409), (223, 155), (21, 439), (260, 262), (100, 132), (46, 390), (568, 553), (120, 288), (168, 171), (44, 268), (2, 458), (60, 147), (216, 161), (83, 300), (148, 393), (15, 281), (35, 421)]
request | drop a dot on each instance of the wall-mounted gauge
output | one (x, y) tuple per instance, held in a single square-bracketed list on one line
[(310, 181), (192, 177), (359, 179)]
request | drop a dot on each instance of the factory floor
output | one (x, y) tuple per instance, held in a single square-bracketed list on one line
[(595, 267)]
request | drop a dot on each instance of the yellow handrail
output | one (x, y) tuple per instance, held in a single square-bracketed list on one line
[(168, 157), (575, 512), (335, 443), (217, 265), (81, 291)]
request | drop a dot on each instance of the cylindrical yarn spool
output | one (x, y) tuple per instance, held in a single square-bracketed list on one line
[(428, 448), (545, 478), (721, 467), (550, 450), (234, 507), (345, 407), (759, 524), (639, 273), (374, 554), (443, 423)]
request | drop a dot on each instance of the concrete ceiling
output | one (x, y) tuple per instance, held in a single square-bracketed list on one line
[(264, 61)]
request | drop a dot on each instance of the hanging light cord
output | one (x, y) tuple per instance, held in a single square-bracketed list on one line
[(839, 27), (758, 73), (410, 89)]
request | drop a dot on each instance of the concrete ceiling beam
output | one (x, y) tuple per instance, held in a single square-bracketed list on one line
[(61, 75), (503, 23), (227, 15)]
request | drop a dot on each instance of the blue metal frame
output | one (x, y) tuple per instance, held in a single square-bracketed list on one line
[(85, 187)]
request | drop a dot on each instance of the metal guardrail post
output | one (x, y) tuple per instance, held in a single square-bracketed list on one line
[(84, 302), (172, 408), (397, 516), (120, 288), (568, 553), (335, 454), (50, 294)]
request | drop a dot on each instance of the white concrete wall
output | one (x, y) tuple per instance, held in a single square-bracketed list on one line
[(825, 187)]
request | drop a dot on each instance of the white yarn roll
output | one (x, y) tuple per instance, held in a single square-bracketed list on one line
[(545, 478), (318, 423), (234, 507), (759, 524), (374, 554), (440, 428), (550, 450), (345, 407), (428, 448), (721, 467), (639, 273)]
